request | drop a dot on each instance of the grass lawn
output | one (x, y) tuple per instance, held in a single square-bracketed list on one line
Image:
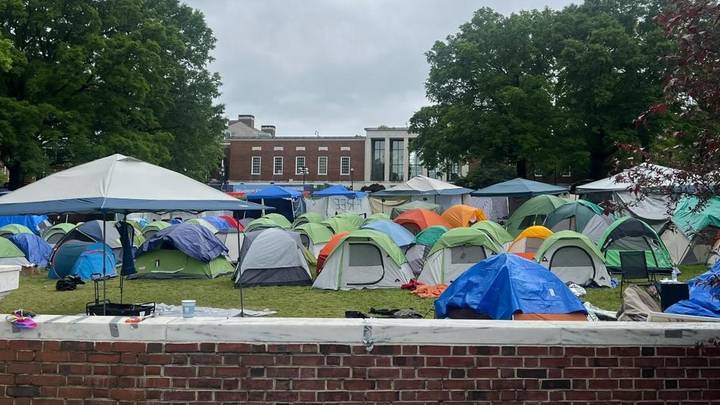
[(37, 293)]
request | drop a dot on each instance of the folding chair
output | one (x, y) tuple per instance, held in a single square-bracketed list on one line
[(633, 267)]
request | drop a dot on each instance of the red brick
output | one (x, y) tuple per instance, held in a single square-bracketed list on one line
[(315, 360), (532, 351), (174, 371), (23, 368), (333, 372), (383, 373), (257, 360), (435, 350), (310, 385), (179, 395), (74, 392), (433, 373), (181, 347), (333, 396), (103, 358), (208, 383), (25, 345)]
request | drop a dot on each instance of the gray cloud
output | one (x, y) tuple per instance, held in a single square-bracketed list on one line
[(335, 66)]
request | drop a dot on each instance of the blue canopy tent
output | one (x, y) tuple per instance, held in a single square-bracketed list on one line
[(504, 285), (35, 248), (519, 187), (704, 299), (218, 223), (33, 222), (286, 201), (338, 190), (398, 233)]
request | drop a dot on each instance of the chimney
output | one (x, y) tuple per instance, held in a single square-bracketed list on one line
[(268, 129), (247, 119)]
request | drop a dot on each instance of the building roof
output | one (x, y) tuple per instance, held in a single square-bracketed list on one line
[(265, 137), (239, 129)]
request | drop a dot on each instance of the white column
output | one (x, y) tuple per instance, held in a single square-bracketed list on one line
[(386, 176), (406, 158)]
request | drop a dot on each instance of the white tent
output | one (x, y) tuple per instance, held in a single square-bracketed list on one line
[(272, 256), (574, 258), (428, 189), (117, 184)]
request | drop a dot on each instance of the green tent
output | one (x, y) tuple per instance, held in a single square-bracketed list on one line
[(579, 238), (692, 221), (14, 229), (377, 216), (533, 212), (56, 232), (465, 236), (171, 263), (308, 218), (317, 233), (495, 231), (414, 205), (632, 234), (340, 223), (573, 216), (153, 228), (430, 235), (381, 239), (268, 221), (8, 250)]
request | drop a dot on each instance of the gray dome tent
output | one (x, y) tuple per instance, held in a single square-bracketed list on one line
[(272, 256)]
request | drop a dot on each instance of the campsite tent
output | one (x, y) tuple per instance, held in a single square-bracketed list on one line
[(182, 251), (529, 241), (519, 187), (328, 248), (573, 257), (338, 199), (314, 236), (693, 233), (308, 217), (463, 215), (343, 223), (422, 188), (494, 231), (272, 220), (36, 223), (203, 222), (703, 300), (287, 202), (14, 229), (35, 249), (455, 252), (88, 232), (232, 222), (414, 205), (509, 287), (632, 234), (272, 256), (424, 241), (219, 223), (364, 258), (399, 235), (11, 254), (376, 216), (83, 259), (533, 212), (56, 232), (418, 219), (154, 227), (579, 216)]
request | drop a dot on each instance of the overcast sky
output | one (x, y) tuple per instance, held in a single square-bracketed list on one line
[(332, 66)]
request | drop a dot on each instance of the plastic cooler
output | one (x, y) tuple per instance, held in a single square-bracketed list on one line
[(9, 278)]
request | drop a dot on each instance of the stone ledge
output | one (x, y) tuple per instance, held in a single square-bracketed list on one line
[(366, 331)]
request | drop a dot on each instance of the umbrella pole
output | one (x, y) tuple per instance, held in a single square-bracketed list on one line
[(104, 265), (239, 275), (122, 286)]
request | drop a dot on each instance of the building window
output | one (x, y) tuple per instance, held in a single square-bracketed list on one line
[(322, 165), (538, 173), (255, 162), (344, 165), (299, 164), (377, 172), (567, 172), (453, 171), (397, 155), (415, 166), (277, 165)]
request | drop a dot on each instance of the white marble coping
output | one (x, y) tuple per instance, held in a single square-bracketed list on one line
[(366, 331)]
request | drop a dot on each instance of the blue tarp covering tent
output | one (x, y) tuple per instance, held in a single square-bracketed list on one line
[(219, 223), (32, 222), (506, 284), (704, 300), (285, 200), (519, 187), (194, 240), (398, 233), (66, 260), (35, 248), (338, 190)]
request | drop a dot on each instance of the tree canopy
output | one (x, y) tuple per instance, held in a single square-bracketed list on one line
[(80, 80), (543, 89)]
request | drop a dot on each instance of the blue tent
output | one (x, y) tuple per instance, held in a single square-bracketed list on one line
[(401, 236), (194, 240), (32, 222), (35, 248), (286, 201), (506, 284), (272, 191), (519, 187), (338, 190), (219, 223), (704, 300), (82, 259)]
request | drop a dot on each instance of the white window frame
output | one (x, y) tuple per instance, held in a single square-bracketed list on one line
[(297, 168), (252, 165), (349, 166), (282, 165), (327, 161), (567, 172)]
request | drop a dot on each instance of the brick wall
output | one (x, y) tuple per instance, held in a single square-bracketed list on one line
[(49, 372), (240, 151)]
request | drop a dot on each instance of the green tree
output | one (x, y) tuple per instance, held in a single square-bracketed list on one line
[(94, 78)]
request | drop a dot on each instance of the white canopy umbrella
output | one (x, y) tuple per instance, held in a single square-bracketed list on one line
[(616, 183)]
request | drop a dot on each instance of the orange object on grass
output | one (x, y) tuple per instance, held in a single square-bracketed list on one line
[(463, 215), (418, 219), (529, 241), (429, 291), (328, 248)]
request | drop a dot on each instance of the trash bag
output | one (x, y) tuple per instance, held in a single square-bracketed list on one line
[(637, 304)]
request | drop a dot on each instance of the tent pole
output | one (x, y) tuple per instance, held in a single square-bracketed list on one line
[(262, 201), (104, 265), (121, 276), (237, 270)]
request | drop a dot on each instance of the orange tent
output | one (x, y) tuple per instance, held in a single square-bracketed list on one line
[(463, 215), (528, 242), (418, 219), (328, 248)]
